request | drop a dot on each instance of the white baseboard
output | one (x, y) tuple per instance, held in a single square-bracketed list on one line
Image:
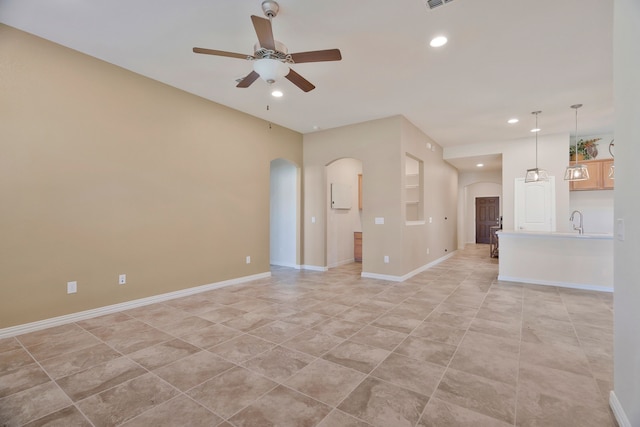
[(618, 412), (314, 268), (408, 275), (557, 284), (343, 262), (286, 264), (101, 311)]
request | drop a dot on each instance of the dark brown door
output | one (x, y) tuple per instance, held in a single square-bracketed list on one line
[(487, 215)]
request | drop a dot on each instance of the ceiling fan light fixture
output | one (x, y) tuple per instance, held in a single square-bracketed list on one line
[(270, 70), (277, 93)]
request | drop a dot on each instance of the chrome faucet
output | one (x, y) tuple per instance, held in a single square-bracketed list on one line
[(579, 227)]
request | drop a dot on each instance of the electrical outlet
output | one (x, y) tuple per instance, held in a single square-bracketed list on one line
[(248, 260), (386, 259), (122, 279), (72, 287)]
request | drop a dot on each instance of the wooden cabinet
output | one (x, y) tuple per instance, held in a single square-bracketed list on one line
[(357, 246), (598, 176)]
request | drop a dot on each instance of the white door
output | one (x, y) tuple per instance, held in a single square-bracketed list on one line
[(535, 205)]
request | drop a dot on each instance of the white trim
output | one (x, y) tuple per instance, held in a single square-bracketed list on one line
[(101, 311), (558, 284), (314, 268), (618, 411), (408, 275), (343, 262), (285, 264)]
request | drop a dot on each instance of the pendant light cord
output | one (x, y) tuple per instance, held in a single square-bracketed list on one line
[(575, 160)]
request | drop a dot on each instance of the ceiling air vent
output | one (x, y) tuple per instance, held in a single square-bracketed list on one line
[(435, 3)]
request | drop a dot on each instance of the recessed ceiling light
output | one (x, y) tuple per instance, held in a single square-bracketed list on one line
[(535, 130), (513, 121), (479, 165), (438, 41), (277, 94), (316, 127)]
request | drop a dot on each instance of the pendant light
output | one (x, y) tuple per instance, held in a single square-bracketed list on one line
[(536, 175), (576, 172)]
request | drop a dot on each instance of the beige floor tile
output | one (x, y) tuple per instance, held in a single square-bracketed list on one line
[(231, 391), (383, 404), (69, 416), (378, 337), (423, 349), (241, 348), (163, 354), (339, 419), (192, 370), (278, 363), (248, 322), (210, 335), (186, 326), (222, 314), (412, 374), (127, 400), (9, 344), (14, 359), (493, 365), (492, 398), (396, 322), (179, 411), (356, 356), (542, 410), (449, 319), (136, 339), (558, 383), (32, 404), (558, 356), (313, 343), (102, 321), (360, 314), (439, 333), (307, 319), (67, 364), (98, 378), (282, 407), (325, 381), (438, 413), (21, 379), (57, 345), (277, 331), (338, 327)]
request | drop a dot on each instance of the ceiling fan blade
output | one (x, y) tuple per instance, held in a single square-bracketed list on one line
[(316, 56), (299, 81), (264, 32), (221, 53), (249, 78)]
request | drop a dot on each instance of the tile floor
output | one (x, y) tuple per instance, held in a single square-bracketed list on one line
[(450, 347)]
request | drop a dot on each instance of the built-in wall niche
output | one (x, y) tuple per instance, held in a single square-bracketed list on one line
[(413, 187)]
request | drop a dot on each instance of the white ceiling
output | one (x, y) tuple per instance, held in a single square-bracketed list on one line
[(505, 58)]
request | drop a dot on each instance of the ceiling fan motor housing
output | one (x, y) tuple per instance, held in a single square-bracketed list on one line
[(270, 8)]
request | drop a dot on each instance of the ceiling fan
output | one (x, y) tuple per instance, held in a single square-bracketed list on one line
[(270, 58)]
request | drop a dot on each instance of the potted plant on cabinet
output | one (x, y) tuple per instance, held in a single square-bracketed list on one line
[(586, 150)]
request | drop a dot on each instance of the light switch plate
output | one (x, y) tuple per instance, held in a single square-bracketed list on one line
[(620, 229), (379, 220)]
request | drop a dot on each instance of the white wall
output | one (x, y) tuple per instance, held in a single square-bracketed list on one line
[(596, 208), (283, 211), (518, 156), (626, 63), (341, 223)]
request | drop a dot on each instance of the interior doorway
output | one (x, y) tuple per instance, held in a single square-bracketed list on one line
[(487, 215), (284, 214)]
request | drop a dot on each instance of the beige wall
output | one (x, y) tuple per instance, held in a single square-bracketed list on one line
[(104, 172), (376, 144), (382, 145), (440, 194)]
